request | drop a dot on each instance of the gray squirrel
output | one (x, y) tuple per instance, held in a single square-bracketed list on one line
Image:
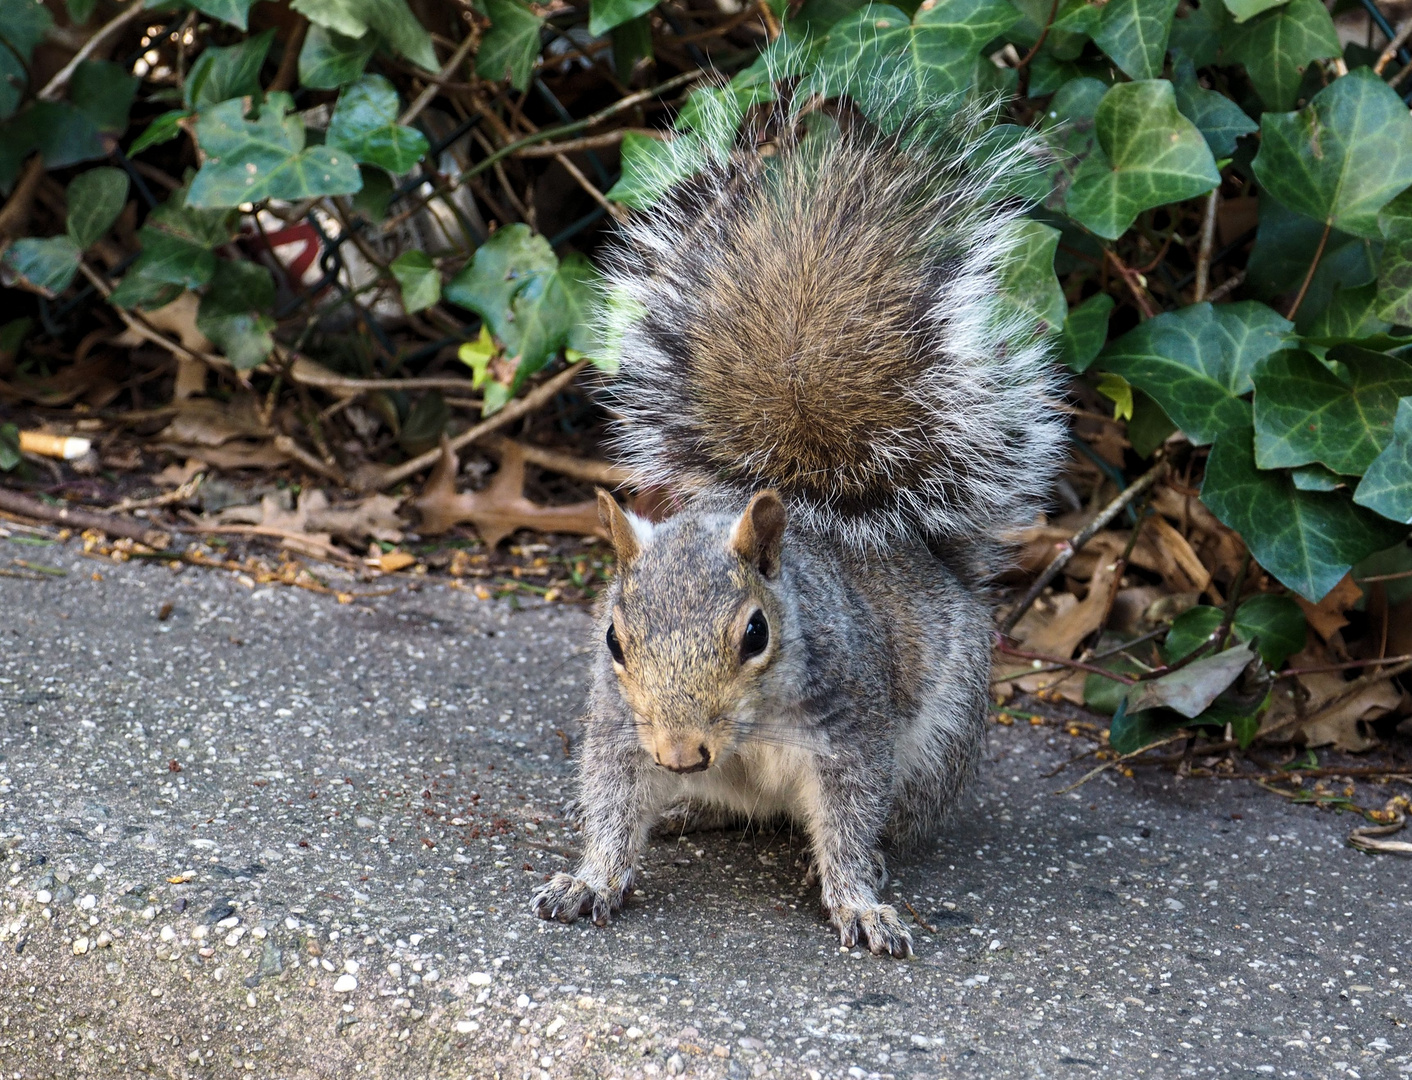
[(813, 352)]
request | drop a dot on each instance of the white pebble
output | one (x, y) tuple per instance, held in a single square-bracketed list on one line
[(167, 933), (480, 978), (633, 1032), (89, 902), (675, 1065), (104, 939), (80, 946), (350, 966), (346, 984), (465, 1027), (554, 1027), (43, 896)]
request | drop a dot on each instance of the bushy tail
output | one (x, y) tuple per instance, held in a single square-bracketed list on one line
[(822, 318)]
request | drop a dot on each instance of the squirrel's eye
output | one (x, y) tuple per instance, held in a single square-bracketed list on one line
[(613, 646), (757, 636)]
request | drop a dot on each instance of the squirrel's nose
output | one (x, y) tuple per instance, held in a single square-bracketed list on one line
[(681, 758)]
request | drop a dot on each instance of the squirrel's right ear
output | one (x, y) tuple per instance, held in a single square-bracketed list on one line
[(758, 535), (618, 528)]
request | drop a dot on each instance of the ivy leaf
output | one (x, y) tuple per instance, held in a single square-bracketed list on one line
[(653, 166), (1275, 623), (95, 199), (233, 312), (1305, 413), (9, 447), (23, 25), (511, 47), (1190, 690), (13, 80), (163, 129), (933, 54), (1352, 314), (392, 19), (606, 14), (251, 160), (1198, 33), (577, 288), (47, 265), (1247, 9), (1316, 161), (1085, 331), (1306, 539), (477, 356), (1028, 292), (1149, 427), (1148, 155), (176, 253), (235, 12), (1387, 485), (1196, 362), (1284, 249), (1275, 48), (1315, 478), (1219, 119), (329, 60), (219, 74), (172, 260), (1134, 33), (513, 260), (104, 92), (418, 279), (364, 124)]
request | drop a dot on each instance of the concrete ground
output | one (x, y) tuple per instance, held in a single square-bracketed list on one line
[(271, 835)]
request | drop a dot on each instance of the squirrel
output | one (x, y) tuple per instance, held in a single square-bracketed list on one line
[(812, 352)]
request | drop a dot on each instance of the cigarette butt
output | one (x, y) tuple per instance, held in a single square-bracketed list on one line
[(66, 447)]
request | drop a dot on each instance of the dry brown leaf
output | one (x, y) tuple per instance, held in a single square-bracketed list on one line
[(236, 454), (176, 475), (1219, 548), (1326, 617), (1185, 561), (178, 319), (292, 526), (93, 381), (374, 516), (190, 378), (205, 422), (499, 509), (390, 562), (1345, 727)]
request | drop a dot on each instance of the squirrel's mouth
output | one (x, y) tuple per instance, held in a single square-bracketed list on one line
[(682, 756)]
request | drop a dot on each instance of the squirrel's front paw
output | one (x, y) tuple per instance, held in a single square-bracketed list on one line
[(567, 897), (877, 926)]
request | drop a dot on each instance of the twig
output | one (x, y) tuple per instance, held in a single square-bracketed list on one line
[(139, 326), (55, 86), (1134, 282), (570, 465), (588, 142), (12, 502), (336, 554), (433, 88), (310, 373), (1362, 839), (1208, 245), (1313, 265), (1389, 54), (1079, 665), (1082, 537), (1048, 24), (16, 210), (289, 62), (917, 918), (617, 213), (1291, 672), (1230, 285), (385, 478), (181, 494), (1118, 761)]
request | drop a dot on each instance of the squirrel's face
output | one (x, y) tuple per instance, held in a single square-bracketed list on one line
[(694, 627)]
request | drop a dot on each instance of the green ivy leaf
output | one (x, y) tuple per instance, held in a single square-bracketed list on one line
[(392, 19), (1197, 34), (364, 124), (1316, 161), (1305, 413), (1284, 249), (329, 60), (104, 92), (1196, 362), (251, 160), (1134, 33), (48, 265), (163, 129), (1068, 32), (1085, 331), (511, 47), (95, 200), (80, 11), (23, 25), (577, 289), (235, 12), (650, 167), (1149, 427), (167, 259), (1219, 119), (606, 14), (1395, 268), (1069, 126), (1306, 539), (933, 54), (1351, 314), (1027, 289), (1275, 48), (233, 312), (9, 447), (1387, 485), (1272, 620), (513, 260), (1315, 478), (59, 130), (1148, 155), (418, 279), (13, 80), (219, 74), (1248, 9)]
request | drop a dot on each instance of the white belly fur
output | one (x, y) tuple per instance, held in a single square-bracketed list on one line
[(757, 782)]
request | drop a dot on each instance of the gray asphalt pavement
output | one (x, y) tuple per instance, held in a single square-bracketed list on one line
[(272, 835)]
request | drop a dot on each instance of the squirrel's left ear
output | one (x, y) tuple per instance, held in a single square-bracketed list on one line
[(759, 534), (618, 527)]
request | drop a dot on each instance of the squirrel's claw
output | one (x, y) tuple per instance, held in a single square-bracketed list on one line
[(876, 926), (566, 897)]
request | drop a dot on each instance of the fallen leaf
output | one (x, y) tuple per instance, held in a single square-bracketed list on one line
[(374, 516), (1191, 689), (501, 507), (204, 422), (390, 562), (177, 319), (177, 475), (1327, 616)]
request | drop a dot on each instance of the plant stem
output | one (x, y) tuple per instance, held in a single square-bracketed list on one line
[(1314, 265)]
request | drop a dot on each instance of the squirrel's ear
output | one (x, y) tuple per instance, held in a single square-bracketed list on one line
[(759, 534), (618, 528)]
